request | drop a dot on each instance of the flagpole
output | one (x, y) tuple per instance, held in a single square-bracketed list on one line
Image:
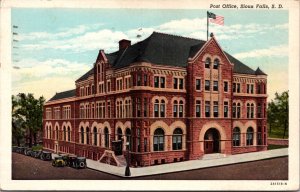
[(207, 25)]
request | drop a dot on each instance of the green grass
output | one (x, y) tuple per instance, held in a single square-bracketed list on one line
[(38, 147), (278, 133), (270, 147)]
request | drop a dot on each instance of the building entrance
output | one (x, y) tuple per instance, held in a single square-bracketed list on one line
[(212, 141)]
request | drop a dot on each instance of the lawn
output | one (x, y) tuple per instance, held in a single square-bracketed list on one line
[(270, 147), (277, 133)]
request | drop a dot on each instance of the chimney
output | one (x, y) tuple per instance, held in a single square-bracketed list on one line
[(124, 43)]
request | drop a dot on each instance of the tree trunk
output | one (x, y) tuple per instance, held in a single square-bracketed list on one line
[(34, 138), (285, 128)]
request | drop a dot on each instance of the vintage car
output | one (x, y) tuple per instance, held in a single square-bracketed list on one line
[(64, 157), (46, 156), (58, 162), (36, 154), (20, 150), (71, 160), (80, 162), (14, 148), (28, 151)]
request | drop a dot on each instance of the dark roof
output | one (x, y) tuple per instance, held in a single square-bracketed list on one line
[(86, 75), (63, 95), (259, 72), (164, 49)]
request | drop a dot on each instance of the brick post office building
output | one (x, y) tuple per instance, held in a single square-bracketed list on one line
[(164, 99)]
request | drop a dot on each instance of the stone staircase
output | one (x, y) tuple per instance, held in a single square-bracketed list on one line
[(212, 156), (121, 159)]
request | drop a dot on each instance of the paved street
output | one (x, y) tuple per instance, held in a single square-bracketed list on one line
[(24, 168)]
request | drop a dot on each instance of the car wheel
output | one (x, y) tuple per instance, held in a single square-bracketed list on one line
[(81, 165)]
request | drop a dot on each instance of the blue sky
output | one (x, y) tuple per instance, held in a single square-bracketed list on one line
[(57, 46)]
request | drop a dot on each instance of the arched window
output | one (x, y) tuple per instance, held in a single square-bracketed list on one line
[(252, 111), (249, 136), (95, 136), (128, 138), (216, 63), (175, 108), (238, 110), (177, 139), (87, 135), (234, 110), (156, 108), (162, 108), (47, 132), (119, 133), (236, 136), (56, 131), (180, 108), (207, 62), (69, 134), (65, 133), (248, 110), (158, 140), (82, 135), (50, 132), (106, 137)]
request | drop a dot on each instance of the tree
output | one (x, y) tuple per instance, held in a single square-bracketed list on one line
[(31, 111), (278, 112), (18, 130)]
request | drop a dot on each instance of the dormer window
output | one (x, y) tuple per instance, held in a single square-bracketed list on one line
[(216, 63), (207, 62)]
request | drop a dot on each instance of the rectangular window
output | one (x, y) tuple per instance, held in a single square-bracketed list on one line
[(108, 86), (225, 108), (207, 85), (258, 89), (234, 87), (145, 107), (225, 86), (207, 108), (145, 144), (139, 105), (248, 88), (139, 80), (162, 82), (108, 109), (198, 84), (216, 109), (238, 88), (198, 108), (156, 82), (251, 88), (215, 88), (175, 83), (145, 80), (180, 83)]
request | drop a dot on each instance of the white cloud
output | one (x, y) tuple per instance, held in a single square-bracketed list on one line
[(64, 32), (46, 86), (275, 51), (31, 69)]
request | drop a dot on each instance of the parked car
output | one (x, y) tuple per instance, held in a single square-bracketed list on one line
[(36, 154), (64, 157), (80, 162), (28, 151), (14, 148), (71, 160), (46, 156), (58, 162), (20, 150)]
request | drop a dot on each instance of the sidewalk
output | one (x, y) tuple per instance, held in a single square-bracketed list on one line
[(187, 165)]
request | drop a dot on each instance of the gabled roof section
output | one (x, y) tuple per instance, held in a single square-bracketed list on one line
[(259, 72), (239, 67), (63, 95), (86, 75)]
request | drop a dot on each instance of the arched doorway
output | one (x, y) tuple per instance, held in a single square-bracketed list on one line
[(212, 141)]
